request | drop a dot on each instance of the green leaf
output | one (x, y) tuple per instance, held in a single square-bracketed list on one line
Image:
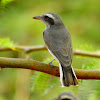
[(6, 42), (91, 65), (4, 2), (40, 81)]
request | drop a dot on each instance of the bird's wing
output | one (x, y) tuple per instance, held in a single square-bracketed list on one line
[(64, 55), (60, 46)]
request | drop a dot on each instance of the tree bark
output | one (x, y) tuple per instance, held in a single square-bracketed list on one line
[(46, 68)]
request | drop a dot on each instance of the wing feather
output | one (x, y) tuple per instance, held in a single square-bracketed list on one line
[(59, 43)]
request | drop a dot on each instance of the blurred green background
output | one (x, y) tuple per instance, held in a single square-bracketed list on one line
[(82, 18)]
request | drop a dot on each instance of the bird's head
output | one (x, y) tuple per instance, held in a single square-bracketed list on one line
[(50, 19), (66, 96)]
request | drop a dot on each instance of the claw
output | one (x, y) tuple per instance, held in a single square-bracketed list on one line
[(50, 63)]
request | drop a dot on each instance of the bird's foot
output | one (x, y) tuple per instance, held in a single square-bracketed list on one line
[(50, 63)]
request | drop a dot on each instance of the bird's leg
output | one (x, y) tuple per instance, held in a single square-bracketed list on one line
[(51, 62)]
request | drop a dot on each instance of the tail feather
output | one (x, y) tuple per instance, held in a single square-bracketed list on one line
[(67, 76)]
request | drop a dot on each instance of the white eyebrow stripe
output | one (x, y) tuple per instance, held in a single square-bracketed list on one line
[(49, 15), (65, 96)]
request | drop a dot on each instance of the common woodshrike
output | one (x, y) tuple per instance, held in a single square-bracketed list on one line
[(59, 44)]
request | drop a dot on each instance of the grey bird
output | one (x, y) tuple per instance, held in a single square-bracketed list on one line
[(58, 42), (66, 96)]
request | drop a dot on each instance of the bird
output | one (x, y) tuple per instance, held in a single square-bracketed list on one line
[(66, 96), (58, 42)]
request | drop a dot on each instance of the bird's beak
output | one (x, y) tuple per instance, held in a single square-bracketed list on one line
[(37, 17)]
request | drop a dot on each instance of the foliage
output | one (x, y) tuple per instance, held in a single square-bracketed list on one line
[(6, 42), (42, 82), (6, 1), (5, 4)]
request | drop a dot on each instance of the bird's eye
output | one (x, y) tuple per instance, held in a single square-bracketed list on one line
[(66, 99), (46, 17), (49, 20)]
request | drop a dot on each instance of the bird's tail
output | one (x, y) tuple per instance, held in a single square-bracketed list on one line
[(67, 76)]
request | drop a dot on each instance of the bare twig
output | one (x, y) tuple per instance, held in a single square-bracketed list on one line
[(26, 49), (29, 49), (46, 68), (86, 53), (5, 49)]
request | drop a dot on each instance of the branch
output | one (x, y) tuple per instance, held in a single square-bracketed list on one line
[(46, 68), (86, 53), (28, 49)]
